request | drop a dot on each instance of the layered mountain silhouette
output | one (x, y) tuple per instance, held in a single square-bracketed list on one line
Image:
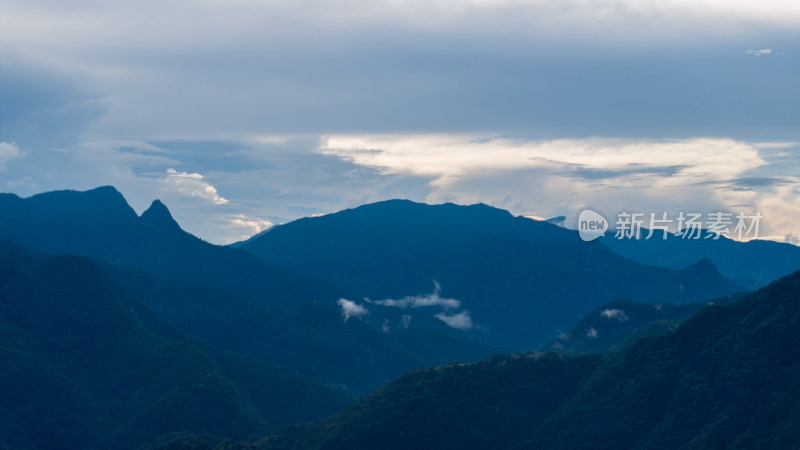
[(118, 330), (517, 281), (312, 338), (99, 223), (752, 264), (725, 378), (620, 323), (84, 364), (521, 280), (228, 299)]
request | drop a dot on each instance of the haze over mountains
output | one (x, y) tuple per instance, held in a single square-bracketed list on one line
[(520, 280), (615, 325), (726, 378), (298, 321), (752, 264), (224, 296), (86, 365), (99, 223)]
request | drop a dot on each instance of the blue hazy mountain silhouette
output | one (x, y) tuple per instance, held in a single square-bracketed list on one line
[(620, 323), (725, 378), (228, 298), (752, 264), (171, 333), (522, 280), (99, 223), (85, 364)]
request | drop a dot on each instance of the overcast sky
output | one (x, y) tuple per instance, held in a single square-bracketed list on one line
[(240, 114)]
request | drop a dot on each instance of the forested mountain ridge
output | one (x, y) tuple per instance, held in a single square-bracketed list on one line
[(725, 378), (87, 365), (520, 280), (100, 224), (383, 289)]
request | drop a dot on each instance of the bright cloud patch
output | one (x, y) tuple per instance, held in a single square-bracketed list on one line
[(614, 314), (460, 321), (765, 51), (351, 309), (254, 225), (239, 227), (193, 184), (418, 301), (447, 158), (9, 151), (562, 177)]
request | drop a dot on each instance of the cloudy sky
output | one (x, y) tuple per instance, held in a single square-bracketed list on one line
[(243, 113)]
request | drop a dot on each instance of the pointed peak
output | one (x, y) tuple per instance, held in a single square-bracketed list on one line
[(704, 262), (158, 205), (704, 266), (158, 214)]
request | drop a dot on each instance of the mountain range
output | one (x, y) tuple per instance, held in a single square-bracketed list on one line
[(724, 378), (119, 330), (752, 264), (100, 224), (86, 365), (620, 323), (521, 281)]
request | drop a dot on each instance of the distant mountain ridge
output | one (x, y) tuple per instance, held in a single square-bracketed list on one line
[(99, 223), (227, 298), (333, 307), (752, 264), (615, 325), (85, 364), (725, 378), (505, 271), (521, 280)]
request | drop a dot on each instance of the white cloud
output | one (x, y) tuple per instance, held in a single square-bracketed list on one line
[(450, 158), (765, 51), (780, 206), (351, 309), (614, 314), (591, 333), (460, 321), (252, 225), (9, 151), (561, 177), (420, 301), (193, 184), (213, 70), (242, 226), (202, 53)]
